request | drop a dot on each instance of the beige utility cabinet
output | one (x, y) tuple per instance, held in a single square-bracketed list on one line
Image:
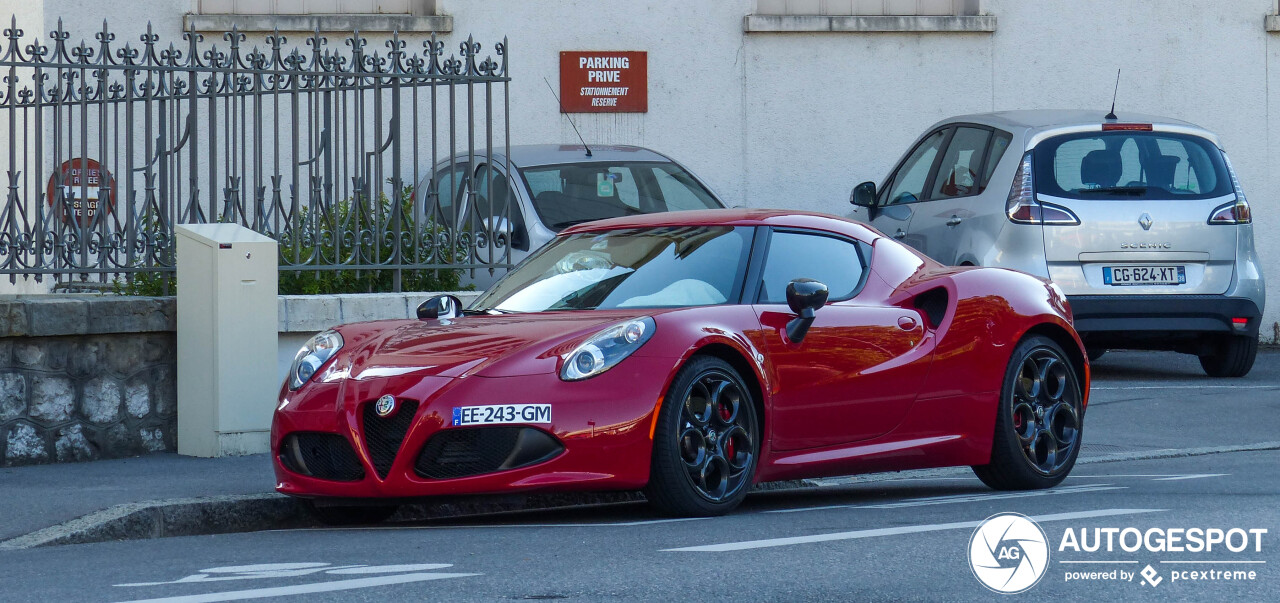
[(227, 386)]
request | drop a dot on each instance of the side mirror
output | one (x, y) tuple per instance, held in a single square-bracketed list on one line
[(864, 195), (440, 306), (804, 296)]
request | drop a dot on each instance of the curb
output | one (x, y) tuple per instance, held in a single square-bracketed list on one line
[(255, 512)]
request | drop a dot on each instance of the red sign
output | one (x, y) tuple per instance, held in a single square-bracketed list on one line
[(81, 207), (604, 82)]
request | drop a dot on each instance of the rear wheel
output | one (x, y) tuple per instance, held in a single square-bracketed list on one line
[(350, 515), (1231, 356), (1039, 421), (706, 442)]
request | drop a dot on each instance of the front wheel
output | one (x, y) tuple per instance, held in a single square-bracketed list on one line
[(706, 442), (1039, 420), (1231, 356)]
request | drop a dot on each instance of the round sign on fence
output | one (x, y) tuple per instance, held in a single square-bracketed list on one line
[(81, 174)]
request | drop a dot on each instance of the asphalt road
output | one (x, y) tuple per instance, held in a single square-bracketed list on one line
[(906, 538)]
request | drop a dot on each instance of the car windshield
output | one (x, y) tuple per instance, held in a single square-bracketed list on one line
[(633, 268), (1130, 165), (568, 194)]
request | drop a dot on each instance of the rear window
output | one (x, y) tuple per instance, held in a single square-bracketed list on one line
[(1130, 165)]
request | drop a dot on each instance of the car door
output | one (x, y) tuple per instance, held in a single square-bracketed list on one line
[(856, 373), (947, 202), (896, 202)]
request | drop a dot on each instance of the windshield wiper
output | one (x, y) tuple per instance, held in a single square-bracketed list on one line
[(483, 311), (1114, 190)]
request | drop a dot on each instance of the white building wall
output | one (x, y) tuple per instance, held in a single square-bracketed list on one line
[(796, 119)]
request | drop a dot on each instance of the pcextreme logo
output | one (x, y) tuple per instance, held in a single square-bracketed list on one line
[(1008, 553)]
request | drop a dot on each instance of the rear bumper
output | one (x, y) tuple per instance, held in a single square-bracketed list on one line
[(1158, 316)]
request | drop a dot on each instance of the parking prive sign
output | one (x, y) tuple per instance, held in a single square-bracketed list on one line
[(604, 81)]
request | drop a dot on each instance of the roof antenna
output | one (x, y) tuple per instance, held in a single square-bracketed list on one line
[(566, 116), (1112, 115)]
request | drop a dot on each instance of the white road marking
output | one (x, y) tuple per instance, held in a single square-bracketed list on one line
[(959, 498), (1156, 477), (857, 534), (1182, 477), (1184, 387), (303, 589)]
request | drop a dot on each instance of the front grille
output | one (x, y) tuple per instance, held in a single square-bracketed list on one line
[(463, 452), (383, 435), (322, 456)]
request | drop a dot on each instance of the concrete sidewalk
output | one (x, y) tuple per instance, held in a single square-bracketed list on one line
[(39, 496)]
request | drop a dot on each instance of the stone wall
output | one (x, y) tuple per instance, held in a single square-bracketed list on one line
[(84, 378)]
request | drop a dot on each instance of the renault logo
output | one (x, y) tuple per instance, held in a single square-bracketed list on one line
[(385, 406), (1145, 221)]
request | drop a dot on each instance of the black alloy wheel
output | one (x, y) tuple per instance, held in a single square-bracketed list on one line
[(1039, 421), (706, 443)]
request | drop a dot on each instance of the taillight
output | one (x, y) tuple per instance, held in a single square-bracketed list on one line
[(1022, 207), (1235, 212)]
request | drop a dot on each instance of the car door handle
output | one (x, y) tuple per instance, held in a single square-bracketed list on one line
[(954, 220), (906, 323), (899, 234)]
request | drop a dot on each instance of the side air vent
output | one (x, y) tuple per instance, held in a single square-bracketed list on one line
[(456, 453), (322, 456), (934, 305), (383, 435)]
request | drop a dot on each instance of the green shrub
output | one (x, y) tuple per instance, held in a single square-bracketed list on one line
[(316, 243)]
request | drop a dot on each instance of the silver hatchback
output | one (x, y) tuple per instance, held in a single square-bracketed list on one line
[(1140, 220)]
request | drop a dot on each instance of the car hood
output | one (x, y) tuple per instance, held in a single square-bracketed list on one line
[(487, 346)]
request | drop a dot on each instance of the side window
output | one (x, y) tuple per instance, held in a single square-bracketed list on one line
[(958, 172), (446, 189), (836, 262), (908, 182), (999, 145), (493, 196)]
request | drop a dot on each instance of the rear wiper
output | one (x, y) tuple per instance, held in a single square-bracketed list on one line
[(1115, 190)]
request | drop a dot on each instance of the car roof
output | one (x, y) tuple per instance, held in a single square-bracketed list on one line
[(533, 155), (1042, 120), (778, 218)]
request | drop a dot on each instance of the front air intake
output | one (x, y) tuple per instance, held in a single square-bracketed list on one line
[(456, 453), (322, 456), (383, 435)]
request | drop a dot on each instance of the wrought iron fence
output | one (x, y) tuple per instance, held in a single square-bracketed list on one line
[(330, 150)]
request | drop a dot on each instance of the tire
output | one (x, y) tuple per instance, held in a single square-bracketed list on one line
[(1095, 353), (706, 443), (350, 515), (1231, 356), (1039, 421)]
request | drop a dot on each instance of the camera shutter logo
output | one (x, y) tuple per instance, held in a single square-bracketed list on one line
[(385, 406), (1008, 553)]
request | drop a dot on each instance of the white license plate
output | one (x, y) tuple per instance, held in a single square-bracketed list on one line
[(501, 414), (1144, 275)]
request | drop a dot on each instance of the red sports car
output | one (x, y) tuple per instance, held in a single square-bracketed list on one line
[(691, 355)]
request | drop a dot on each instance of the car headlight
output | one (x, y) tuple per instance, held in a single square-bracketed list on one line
[(317, 351), (606, 349)]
